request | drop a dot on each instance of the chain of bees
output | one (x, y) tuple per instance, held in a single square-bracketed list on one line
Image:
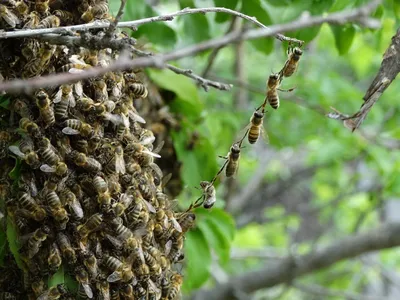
[(253, 130), (89, 197)]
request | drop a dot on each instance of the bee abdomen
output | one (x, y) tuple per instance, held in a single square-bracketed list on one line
[(273, 98), (254, 133)]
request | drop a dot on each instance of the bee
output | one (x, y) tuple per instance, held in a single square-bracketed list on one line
[(208, 198), (37, 286), (54, 260), (176, 282), (165, 286), (30, 156), (90, 262), (91, 224), (123, 203), (100, 90), (152, 262), (33, 20), (100, 9), (122, 271), (65, 17), (46, 111), (232, 158), (21, 108), (137, 90), (116, 82), (36, 240), (273, 84), (9, 17), (256, 126), (70, 199), (65, 96), (85, 104), (104, 289), (143, 155), (83, 278), (66, 249), (118, 162), (42, 6), (57, 209), (54, 293), (113, 184), (88, 163), (29, 204), (30, 127), (127, 292), (60, 169), (49, 22), (74, 126), (47, 152), (38, 65), (76, 65), (294, 55), (104, 196), (21, 8)]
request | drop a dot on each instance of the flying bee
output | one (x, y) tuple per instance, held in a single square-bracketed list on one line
[(57, 209), (83, 278), (54, 260), (256, 127), (90, 225), (42, 6), (49, 22), (176, 282), (75, 126), (65, 17), (90, 262), (9, 17), (30, 157), (36, 239), (122, 271), (294, 55), (54, 293), (44, 104), (28, 203), (66, 249), (30, 127)]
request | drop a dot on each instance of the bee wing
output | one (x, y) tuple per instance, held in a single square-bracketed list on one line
[(149, 206), (166, 222), (77, 208), (70, 131), (159, 147), (166, 179), (71, 100), (113, 240), (113, 118), (151, 153), (154, 287), (44, 296), (47, 169), (126, 199), (264, 135), (11, 19), (58, 96), (147, 140), (88, 290), (15, 149), (168, 247), (157, 170), (114, 277), (75, 70), (136, 118), (75, 60), (176, 225), (120, 164), (78, 89), (116, 91)]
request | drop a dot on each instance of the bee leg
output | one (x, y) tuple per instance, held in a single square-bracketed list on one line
[(242, 139), (224, 157), (288, 90)]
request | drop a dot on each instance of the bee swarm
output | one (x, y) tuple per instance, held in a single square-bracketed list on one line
[(88, 198)]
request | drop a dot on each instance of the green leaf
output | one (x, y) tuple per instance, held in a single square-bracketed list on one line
[(3, 245), (223, 17), (278, 3), (396, 8), (188, 101), (196, 26), (198, 259), (254, 8), (4, 102), (15, 173), (12, 242), (57, 278), (218, 228), (344, 36), (70, 283)]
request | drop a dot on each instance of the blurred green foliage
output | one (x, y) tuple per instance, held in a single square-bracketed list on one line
[(339, 62)]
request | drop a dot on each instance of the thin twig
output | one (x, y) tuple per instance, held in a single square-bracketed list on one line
[(159, 60), (136, 23), (118, 17)]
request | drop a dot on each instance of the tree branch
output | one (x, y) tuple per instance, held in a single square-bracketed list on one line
[(388, 71), (383, 237), (136, 23), (159, 60)]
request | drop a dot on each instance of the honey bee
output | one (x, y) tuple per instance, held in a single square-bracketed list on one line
[(90, 262), (57, 209), (256, 126), (232, 158), (123, 203), (85, 104), (74, 127), (65, 95), (46, 111), (21, 108), (176, 282), (21, 8), (113, 184), (47, 152), (49, 22), (33, 20), (273, 84), (116, 82), (66, 249), (294, 55), (144, 156), (54, 260), (38, 65), (122, 271), (100, 9), (104, 196), (37, 286), (30, 156), (30, 127), (42, 6), (100, 90), (91, 224), (88, 163), (65, 17), (60, 169), (117, 164), (137, 90), (9, 17), (83, 278), (30, 205), (76, 65), (104, 289), (70, 199), (208, 198), (54, 293), (127, 292), (36, 239)]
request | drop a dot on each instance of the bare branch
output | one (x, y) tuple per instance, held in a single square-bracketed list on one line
[(383, 237), (136, 23), (388, 71), (159, 60), (114, 24), (325, 292)]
